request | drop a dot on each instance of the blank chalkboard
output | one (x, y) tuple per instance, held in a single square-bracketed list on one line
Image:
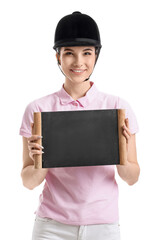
[(80, 138)]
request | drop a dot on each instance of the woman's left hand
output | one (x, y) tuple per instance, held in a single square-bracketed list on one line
[(130, 170), (126, 132)]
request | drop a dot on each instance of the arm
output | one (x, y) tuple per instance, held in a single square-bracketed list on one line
[(31, 177), (131, 170)]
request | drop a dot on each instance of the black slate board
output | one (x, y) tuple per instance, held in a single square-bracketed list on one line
[(80, 138)]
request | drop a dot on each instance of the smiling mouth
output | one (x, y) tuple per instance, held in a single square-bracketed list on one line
[(78, 71)]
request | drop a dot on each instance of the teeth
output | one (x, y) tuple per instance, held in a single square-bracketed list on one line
[(77, 71)]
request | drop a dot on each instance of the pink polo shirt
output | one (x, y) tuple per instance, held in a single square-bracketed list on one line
[(79, 195)]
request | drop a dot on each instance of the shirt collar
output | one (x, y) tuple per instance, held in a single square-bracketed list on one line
[(65, 98)]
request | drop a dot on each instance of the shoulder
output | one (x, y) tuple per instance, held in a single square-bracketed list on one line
[(118, 103), (43, 103), (114, 101), (108, 100)]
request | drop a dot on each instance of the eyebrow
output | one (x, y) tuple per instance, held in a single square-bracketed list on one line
[(69, 49)]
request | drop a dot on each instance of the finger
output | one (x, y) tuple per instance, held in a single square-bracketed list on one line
[(127, 129), (36, 152), (34, 138), (127, 136), (34, 146)]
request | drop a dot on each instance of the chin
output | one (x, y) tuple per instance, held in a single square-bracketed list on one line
[(76, 81)]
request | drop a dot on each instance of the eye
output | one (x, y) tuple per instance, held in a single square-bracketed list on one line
[(87, 53), (68, 53)]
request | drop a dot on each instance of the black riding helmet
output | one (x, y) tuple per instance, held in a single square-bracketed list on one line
[(77, 29)]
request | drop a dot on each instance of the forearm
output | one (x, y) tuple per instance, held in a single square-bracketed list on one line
[(32, 177), (129, 172)]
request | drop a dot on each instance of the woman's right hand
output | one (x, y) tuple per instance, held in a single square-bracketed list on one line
[(34, 148)]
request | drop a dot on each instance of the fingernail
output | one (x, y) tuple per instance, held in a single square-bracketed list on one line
[(42, 152), (40, 136)]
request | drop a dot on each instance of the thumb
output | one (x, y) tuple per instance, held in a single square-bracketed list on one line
[(32, 125), (127, 122)]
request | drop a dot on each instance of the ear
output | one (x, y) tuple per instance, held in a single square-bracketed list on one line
[(58, 58)]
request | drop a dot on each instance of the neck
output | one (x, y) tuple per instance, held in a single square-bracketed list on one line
[(76, 90)]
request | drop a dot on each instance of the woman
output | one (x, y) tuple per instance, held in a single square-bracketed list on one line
[(77, 202)]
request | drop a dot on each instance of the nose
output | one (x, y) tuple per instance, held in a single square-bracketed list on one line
[(78, 62)]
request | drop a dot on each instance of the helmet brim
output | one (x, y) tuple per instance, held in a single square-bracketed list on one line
[(77, 42)]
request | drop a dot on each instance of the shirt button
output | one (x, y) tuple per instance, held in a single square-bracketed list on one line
[(75, 103)]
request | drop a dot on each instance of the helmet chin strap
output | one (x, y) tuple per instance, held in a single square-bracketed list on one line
[(87, 78), (66, 76)]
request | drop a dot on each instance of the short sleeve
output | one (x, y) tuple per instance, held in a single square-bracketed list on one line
[(129, 113), (25, 129)]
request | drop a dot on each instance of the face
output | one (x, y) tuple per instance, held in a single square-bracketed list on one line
[(77, 63)]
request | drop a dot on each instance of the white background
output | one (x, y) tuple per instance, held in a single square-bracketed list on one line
[(126, 67)]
